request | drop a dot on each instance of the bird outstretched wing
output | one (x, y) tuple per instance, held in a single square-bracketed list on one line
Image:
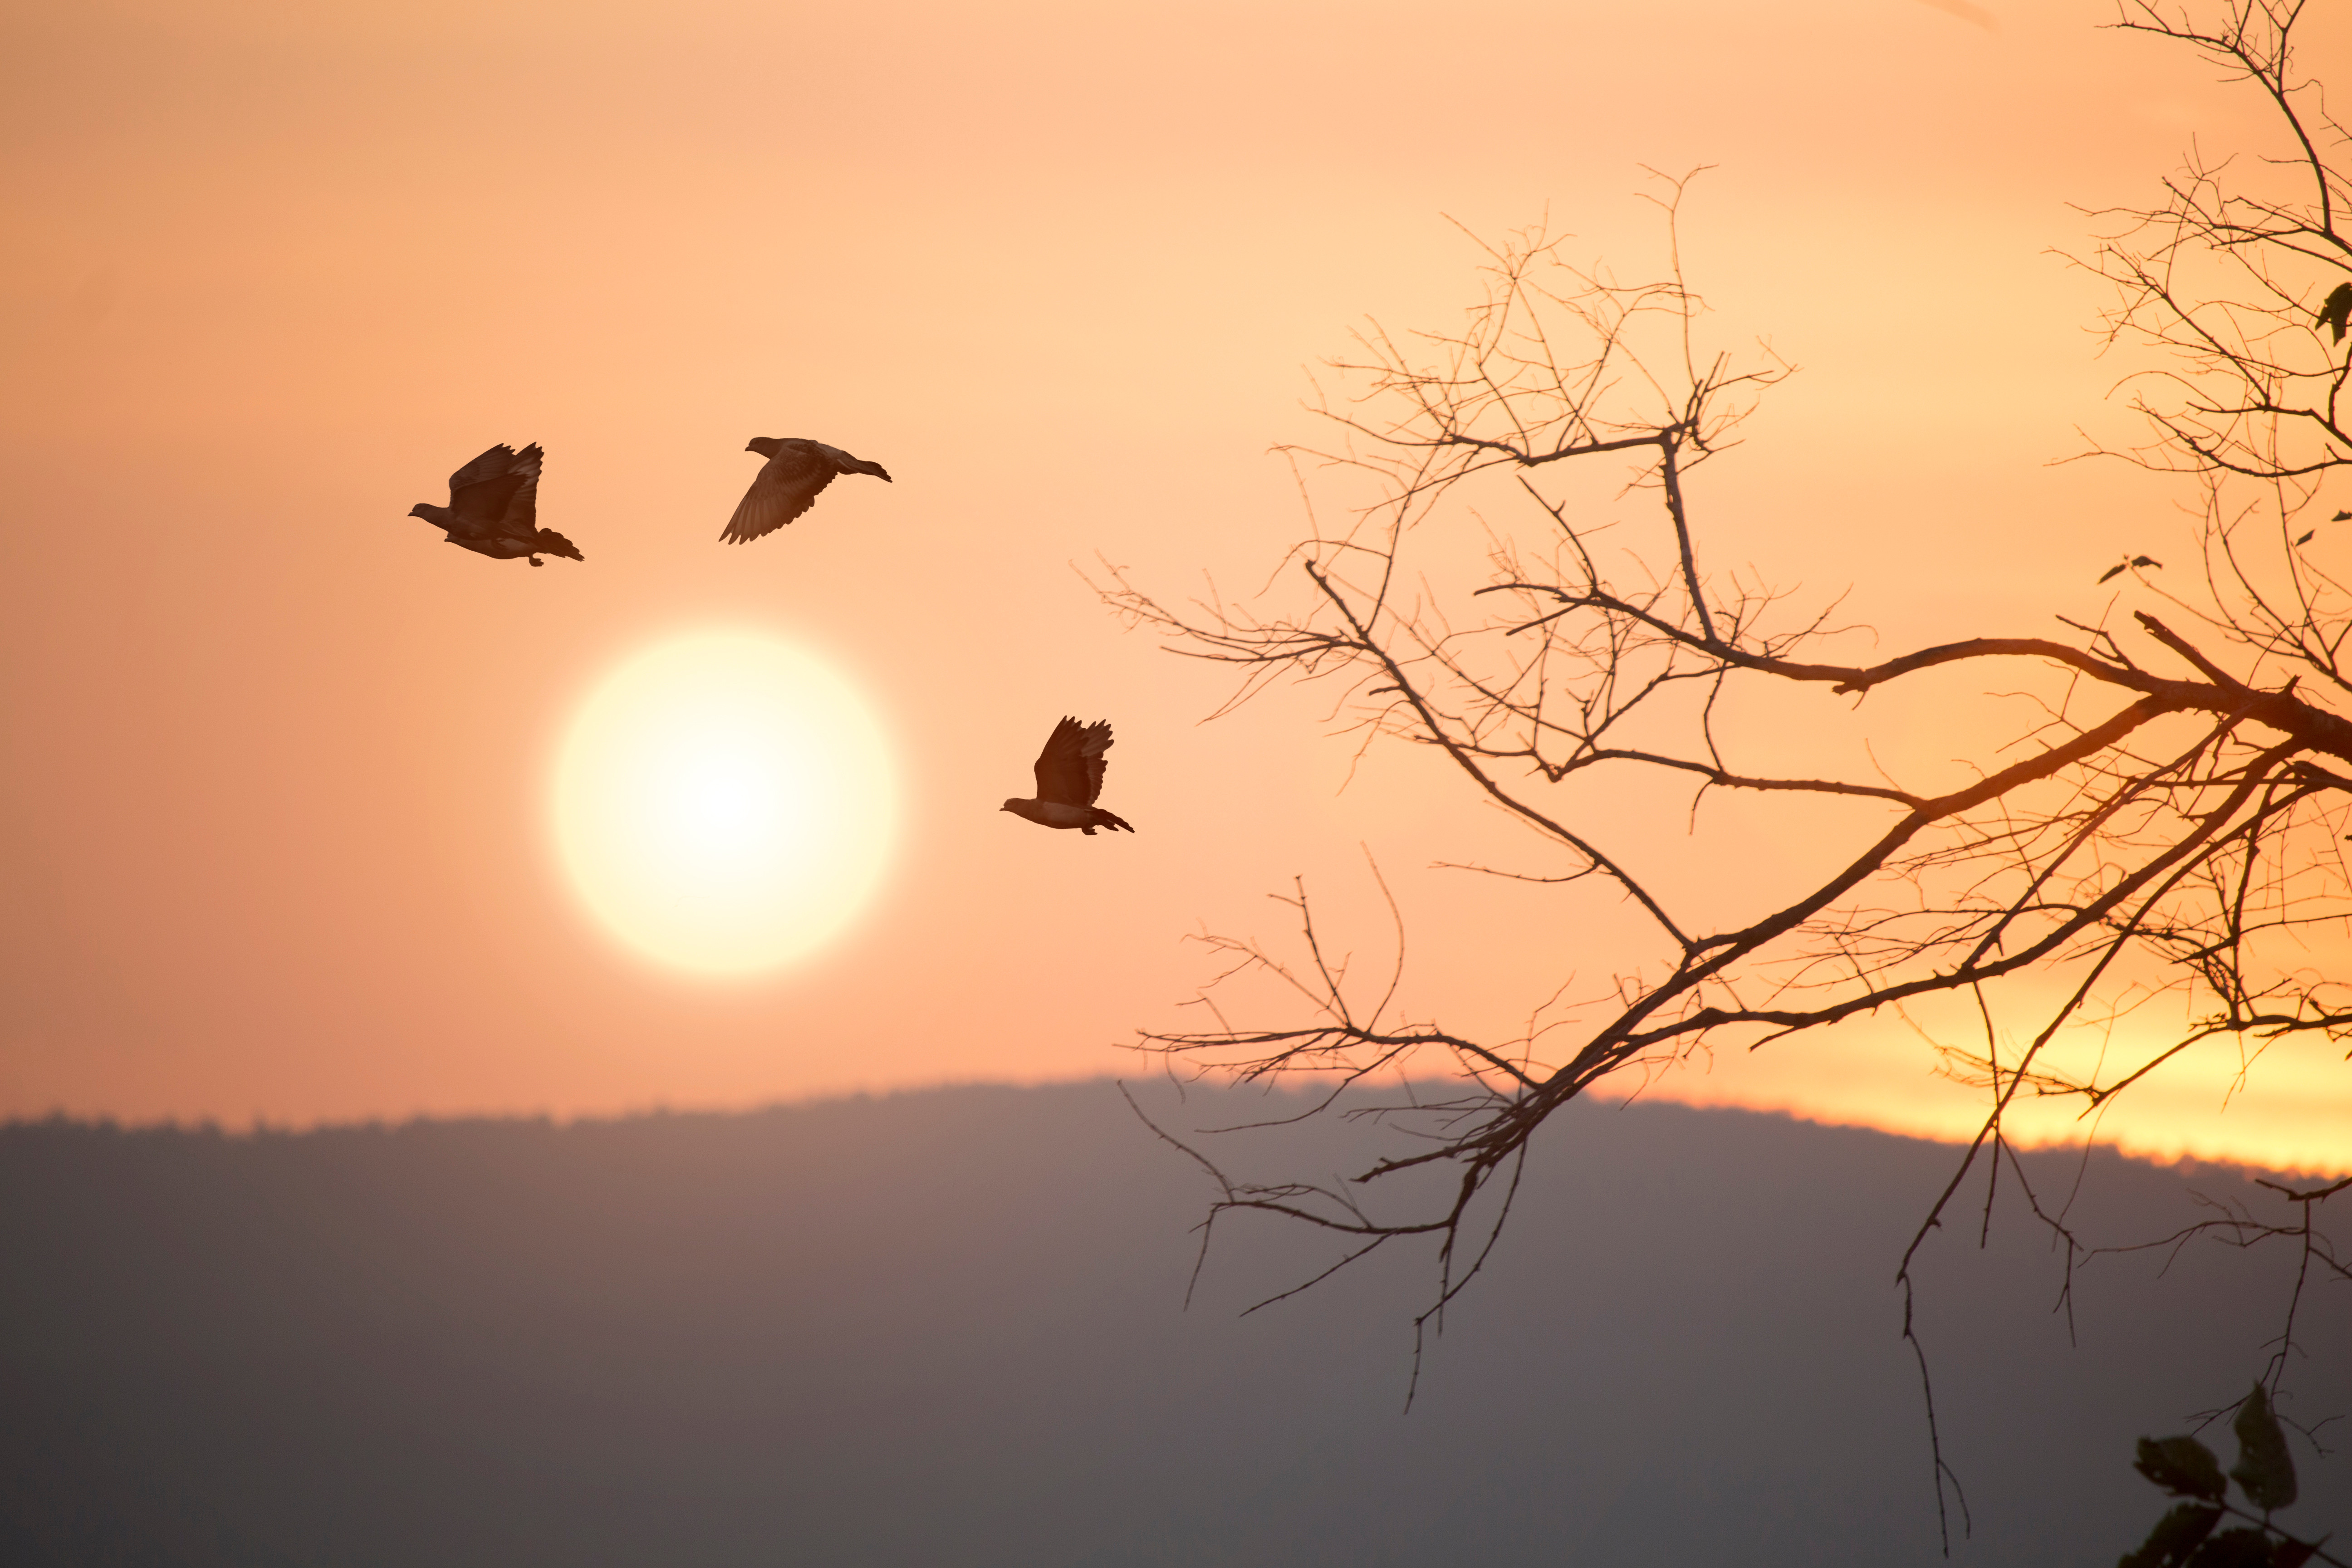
[(786, 486), (1070, 769), (497, 493)]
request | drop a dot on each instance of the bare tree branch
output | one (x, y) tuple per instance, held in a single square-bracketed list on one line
[(2173, 835)]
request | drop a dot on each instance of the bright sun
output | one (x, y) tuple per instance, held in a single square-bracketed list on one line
[(723, 802)]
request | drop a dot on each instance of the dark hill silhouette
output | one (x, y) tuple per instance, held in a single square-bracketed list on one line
[(945, 1328)]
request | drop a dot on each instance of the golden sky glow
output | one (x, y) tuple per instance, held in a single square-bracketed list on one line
[(2287, 1111), (276, 828)]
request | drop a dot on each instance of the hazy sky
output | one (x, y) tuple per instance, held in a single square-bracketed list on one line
[(277, 835)]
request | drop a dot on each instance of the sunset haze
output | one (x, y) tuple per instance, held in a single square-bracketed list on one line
[(281, 838)]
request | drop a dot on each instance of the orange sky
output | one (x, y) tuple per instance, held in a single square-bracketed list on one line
[(275, 841)]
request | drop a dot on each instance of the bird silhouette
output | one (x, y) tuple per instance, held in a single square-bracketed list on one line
[(2336, 313), (494, 508), (2127, 565), (796, 472), (1069, 775)]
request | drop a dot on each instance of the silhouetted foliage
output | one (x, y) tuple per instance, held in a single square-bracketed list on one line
[(2186, 1537)]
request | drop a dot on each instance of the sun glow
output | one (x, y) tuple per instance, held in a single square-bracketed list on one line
[(724, 803)]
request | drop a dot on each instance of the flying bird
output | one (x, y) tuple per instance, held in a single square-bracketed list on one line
[(2336, 313), (795, 474), (1069, 776), (2118, 570), (494, 508)]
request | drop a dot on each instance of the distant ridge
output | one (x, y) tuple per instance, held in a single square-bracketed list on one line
[(945, 1327)]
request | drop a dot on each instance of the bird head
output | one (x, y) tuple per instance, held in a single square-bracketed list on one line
[(418, 510), (1011, 806), (764, 445)]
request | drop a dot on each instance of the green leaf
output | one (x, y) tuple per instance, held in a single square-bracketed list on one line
[(2176, 1535), (2241, 1548), (2336, 313), (2183, 1467), (2263, 1470)]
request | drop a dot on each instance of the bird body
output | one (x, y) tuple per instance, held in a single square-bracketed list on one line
[(494, 509), (2336, 313), (788, 484), (1055, 813), (1069, 776)]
